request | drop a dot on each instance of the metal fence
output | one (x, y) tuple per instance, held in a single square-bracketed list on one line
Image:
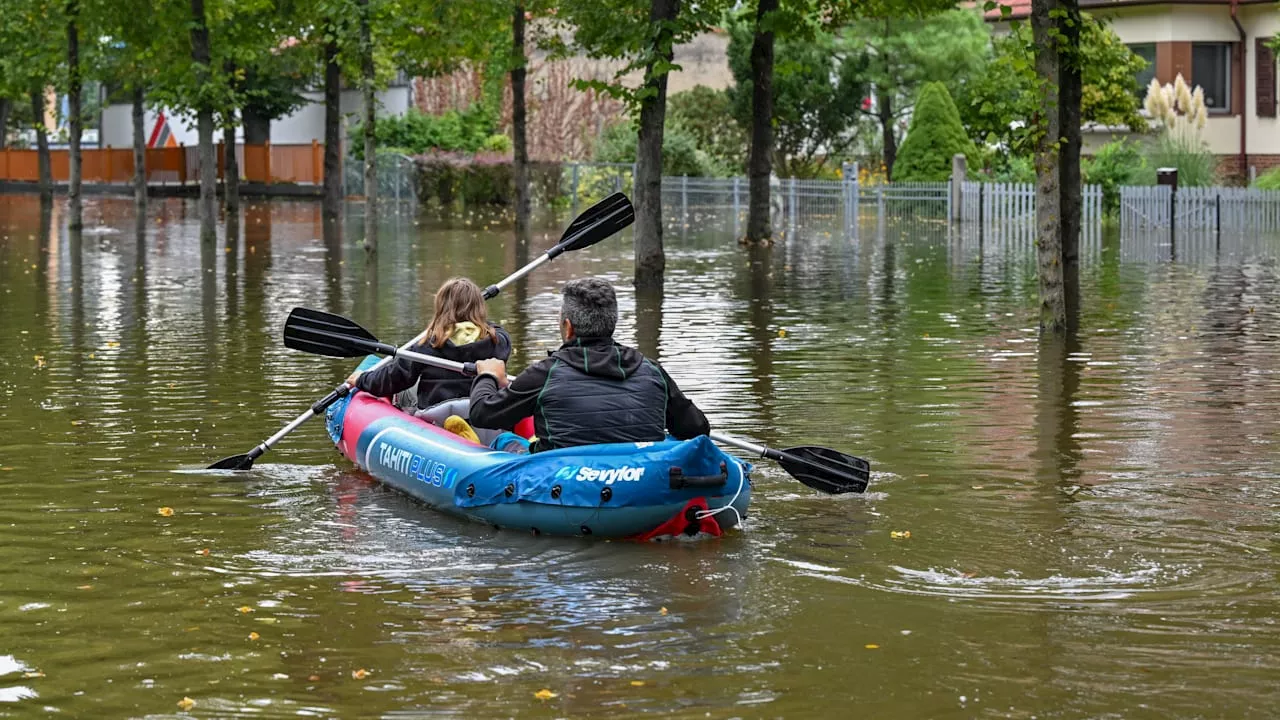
[(397, 179), (1199, 209), (1008, 211)]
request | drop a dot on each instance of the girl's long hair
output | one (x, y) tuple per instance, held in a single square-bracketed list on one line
[(458, 300)]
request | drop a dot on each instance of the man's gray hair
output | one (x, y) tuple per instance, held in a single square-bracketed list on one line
[(591, 306)]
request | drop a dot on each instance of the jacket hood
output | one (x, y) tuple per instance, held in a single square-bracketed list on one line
[(600, 357)]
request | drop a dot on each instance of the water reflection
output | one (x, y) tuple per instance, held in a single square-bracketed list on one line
[(1091, 516)]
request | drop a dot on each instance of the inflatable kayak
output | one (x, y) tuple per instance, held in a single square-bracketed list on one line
[(636, 491)]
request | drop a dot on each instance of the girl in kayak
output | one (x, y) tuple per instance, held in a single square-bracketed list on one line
[(460, 331)]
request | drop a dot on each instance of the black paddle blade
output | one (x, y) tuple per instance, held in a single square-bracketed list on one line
[(609, 216), (826, 470), (321, 333), (235, 462)]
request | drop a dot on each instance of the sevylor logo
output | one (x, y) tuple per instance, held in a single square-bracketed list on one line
[(608, 477)]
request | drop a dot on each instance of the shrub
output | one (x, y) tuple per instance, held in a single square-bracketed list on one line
[(483, 178), (416, 132), (1197, 167), (1269, 180), (707, 115), (1117, 163), (680, 152), (934, 137)]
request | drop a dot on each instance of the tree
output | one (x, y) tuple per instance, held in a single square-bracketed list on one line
[(904, 51), (760, 158), (646, 38), (368, 86), (996, 105), (935, 136), (204, 104), (74, 121), (818, 86), (32, 35), (519, 123)]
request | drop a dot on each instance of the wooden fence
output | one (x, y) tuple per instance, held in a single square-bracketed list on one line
[(299, 164)]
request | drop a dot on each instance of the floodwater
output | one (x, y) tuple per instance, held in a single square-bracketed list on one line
[(1092, 522)]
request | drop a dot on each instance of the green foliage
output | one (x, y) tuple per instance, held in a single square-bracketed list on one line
[(818, 88), (706, 115), (903, 52), (680, 152), (416, 132), (1269, 180), (1118, 163), (1012, 169), (998, 103), (934, 137), (1197, 167), (480, 179)]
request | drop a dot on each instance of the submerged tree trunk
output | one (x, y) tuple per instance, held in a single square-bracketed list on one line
[(1048, 175), (139, 150), (44, 162), (759, 164), (75, 123), (650, 260), (332, 203), (884, 111), (370, 139), (204, 126), (230, 167), (4, 121), (519, 129), (1069, 98)]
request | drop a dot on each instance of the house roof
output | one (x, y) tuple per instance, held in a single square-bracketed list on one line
[(1021, 9)]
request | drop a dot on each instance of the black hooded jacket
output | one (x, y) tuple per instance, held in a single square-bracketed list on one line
[(591, 390), (435, 385)]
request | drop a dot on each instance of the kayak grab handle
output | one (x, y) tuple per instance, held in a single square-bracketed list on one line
[(680, 481)]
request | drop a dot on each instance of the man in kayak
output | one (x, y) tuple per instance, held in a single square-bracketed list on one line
[(592, 390)]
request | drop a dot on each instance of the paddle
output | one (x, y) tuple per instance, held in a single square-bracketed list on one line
[(321, 333), (596, 223)]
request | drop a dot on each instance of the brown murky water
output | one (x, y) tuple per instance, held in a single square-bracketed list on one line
[(1092, 522)]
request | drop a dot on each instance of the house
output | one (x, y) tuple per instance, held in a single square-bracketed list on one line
[(1220, 45)]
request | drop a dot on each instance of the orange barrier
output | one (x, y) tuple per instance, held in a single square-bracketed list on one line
[(300, 164)]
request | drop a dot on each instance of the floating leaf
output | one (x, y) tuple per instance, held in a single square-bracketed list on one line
[(186, 703), (113, 344), (204, 552), (662, 611), (545, 694), (900, 534), (33, 674), (313, 678), (84, 587), (245, 609), (637, 683), (254, 636), (165, 511), (871, 646), (360, 674), (782, 332)]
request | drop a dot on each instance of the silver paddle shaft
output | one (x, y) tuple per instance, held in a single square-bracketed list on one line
[(742, 444)]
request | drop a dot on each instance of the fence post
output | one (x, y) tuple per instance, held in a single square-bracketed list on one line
[(791, 221), (266, 161), (1217, 220), (574, 192), (684, 200), (182, 166), (982, 197), (959, 169), (317, 163), (737, 206)]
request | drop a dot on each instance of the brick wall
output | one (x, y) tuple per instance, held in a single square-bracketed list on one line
[(1229, 165)]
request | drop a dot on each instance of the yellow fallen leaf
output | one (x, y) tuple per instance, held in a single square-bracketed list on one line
[(871, 646), (165, 512), (977, 487), (782, 332), (254, 636), (113, 344), (33, 674), (245, 609), (662, 611), (545, 694), (899, 533), (186, 703), (360, 674), (84, 587), (313, 678), (637, 683), (204, 552)]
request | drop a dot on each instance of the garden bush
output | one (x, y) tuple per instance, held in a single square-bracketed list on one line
[(680, 152), (482, 178), (1119, 162), (1269, 180), (416, 132), (935, 135)]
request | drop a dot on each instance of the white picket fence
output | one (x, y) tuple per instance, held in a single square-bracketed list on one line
[(1007, 211), (1205, 209)]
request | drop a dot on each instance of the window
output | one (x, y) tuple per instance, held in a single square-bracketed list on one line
[(1146, 51), (1211, 70)]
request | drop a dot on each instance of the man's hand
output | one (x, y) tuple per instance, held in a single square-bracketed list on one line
[(354, 376), (494, 367)]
